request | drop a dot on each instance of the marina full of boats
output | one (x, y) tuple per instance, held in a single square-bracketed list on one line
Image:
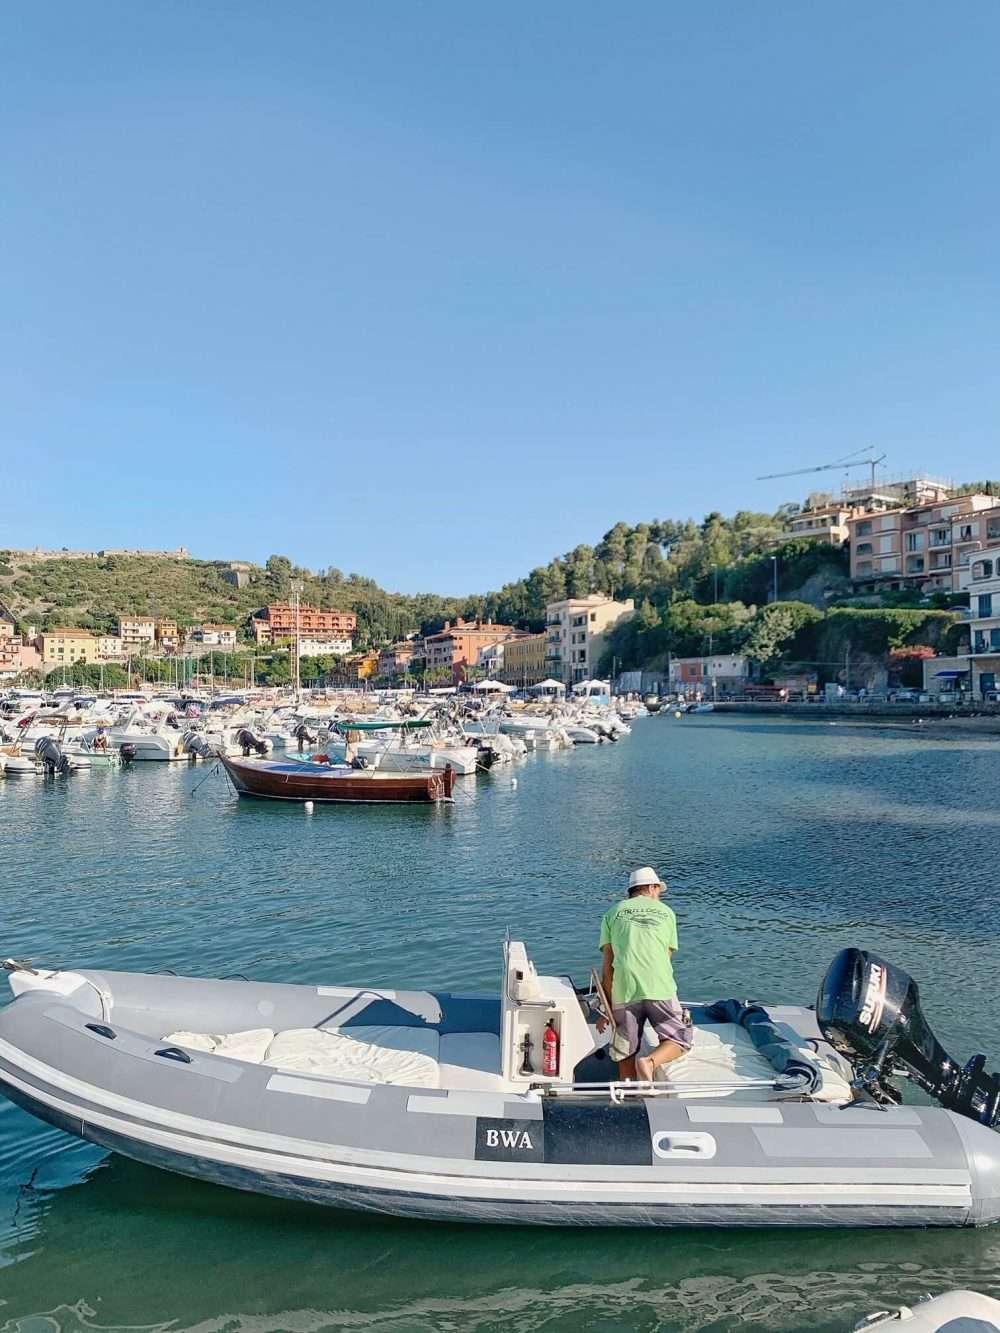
[(327, 746)]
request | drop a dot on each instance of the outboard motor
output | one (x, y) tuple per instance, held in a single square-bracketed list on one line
[(870, 1012), (247, 741), (126, 752), (196, 745), (486, 756), (49, 753), (303, 735)]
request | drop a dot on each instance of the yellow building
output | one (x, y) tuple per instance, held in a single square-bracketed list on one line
[(367, 665), (524, 660), (62, 646)]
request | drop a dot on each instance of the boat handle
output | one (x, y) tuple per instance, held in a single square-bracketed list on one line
[(174, 1053), (102, 1030), (668, 1144)]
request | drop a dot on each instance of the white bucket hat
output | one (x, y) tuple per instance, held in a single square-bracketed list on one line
[(643, 876)]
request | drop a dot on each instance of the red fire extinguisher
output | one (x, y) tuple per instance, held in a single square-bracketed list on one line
[(550, 1049)]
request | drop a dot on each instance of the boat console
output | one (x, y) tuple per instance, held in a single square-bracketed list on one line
[(528, 1004)]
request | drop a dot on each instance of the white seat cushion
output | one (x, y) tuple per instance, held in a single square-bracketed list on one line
[(249, 1045), (724, 1062), (360, 1054)]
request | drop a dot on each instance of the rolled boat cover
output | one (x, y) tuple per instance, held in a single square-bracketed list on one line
[(802, 1073)]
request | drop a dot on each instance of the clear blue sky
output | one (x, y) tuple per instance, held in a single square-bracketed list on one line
[(435, 291)]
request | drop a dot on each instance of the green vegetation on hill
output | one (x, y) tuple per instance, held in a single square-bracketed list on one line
[(660, 561), (697, 586), (781, 635), (91, 594)]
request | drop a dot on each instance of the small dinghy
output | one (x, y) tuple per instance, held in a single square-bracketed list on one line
[(505, 1108), (291, 780)]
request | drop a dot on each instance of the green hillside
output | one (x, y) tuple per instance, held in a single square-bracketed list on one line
[(694, 584), (91, 594)]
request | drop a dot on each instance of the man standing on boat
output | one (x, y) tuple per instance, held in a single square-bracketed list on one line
[(638, 940)]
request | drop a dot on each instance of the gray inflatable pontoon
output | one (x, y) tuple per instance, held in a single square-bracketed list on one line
[(432, 1105), (954, 1312)]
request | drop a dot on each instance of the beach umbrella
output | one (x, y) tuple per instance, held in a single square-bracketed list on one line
[(494, 685)]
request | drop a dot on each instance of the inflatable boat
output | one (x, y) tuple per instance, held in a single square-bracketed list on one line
[(952, 1312), (506, 1108)]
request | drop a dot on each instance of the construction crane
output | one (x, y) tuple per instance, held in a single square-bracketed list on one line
[(845, 463)]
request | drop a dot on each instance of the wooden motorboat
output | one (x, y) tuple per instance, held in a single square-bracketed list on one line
[(289, 780)]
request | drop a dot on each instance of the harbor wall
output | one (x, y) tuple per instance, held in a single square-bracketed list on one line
[(980, 713)]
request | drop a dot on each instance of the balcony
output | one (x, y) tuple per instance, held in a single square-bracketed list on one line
[(553, 657)]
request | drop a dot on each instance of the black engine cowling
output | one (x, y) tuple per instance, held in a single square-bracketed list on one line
[(870, 1011), (49, 753), (247, 741)]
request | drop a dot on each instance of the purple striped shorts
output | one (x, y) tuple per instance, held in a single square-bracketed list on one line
[(669, 1020)]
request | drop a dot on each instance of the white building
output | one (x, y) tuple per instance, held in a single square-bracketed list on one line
[(491, 659), (576, 631), (215, 636), (137, 633), (110, 648), (705, 677), (331, 646), (984, 621)]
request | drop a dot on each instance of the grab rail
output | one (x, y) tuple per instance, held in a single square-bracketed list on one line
[(174, 1053)]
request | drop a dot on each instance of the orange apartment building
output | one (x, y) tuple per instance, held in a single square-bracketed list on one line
[(927, 546), (278, 621), (458, 646)]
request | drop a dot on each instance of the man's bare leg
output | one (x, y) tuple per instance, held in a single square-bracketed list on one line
[(647, 1065)]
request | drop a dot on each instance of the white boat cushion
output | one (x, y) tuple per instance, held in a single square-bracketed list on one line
[(194, 1041), (724, 1062), (250, 1045), (364, 1054), (376, 1054)]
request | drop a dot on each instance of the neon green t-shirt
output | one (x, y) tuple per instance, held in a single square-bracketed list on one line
[(641, 931)]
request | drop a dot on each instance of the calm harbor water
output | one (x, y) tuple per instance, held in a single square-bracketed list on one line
[(783, 841)]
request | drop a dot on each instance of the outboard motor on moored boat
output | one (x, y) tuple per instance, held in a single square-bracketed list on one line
[(50, 755), (870, 1012), (247, 741), (196, 745)]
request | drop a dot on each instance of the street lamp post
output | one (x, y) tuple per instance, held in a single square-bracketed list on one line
[(774, 566), (297, 592)]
